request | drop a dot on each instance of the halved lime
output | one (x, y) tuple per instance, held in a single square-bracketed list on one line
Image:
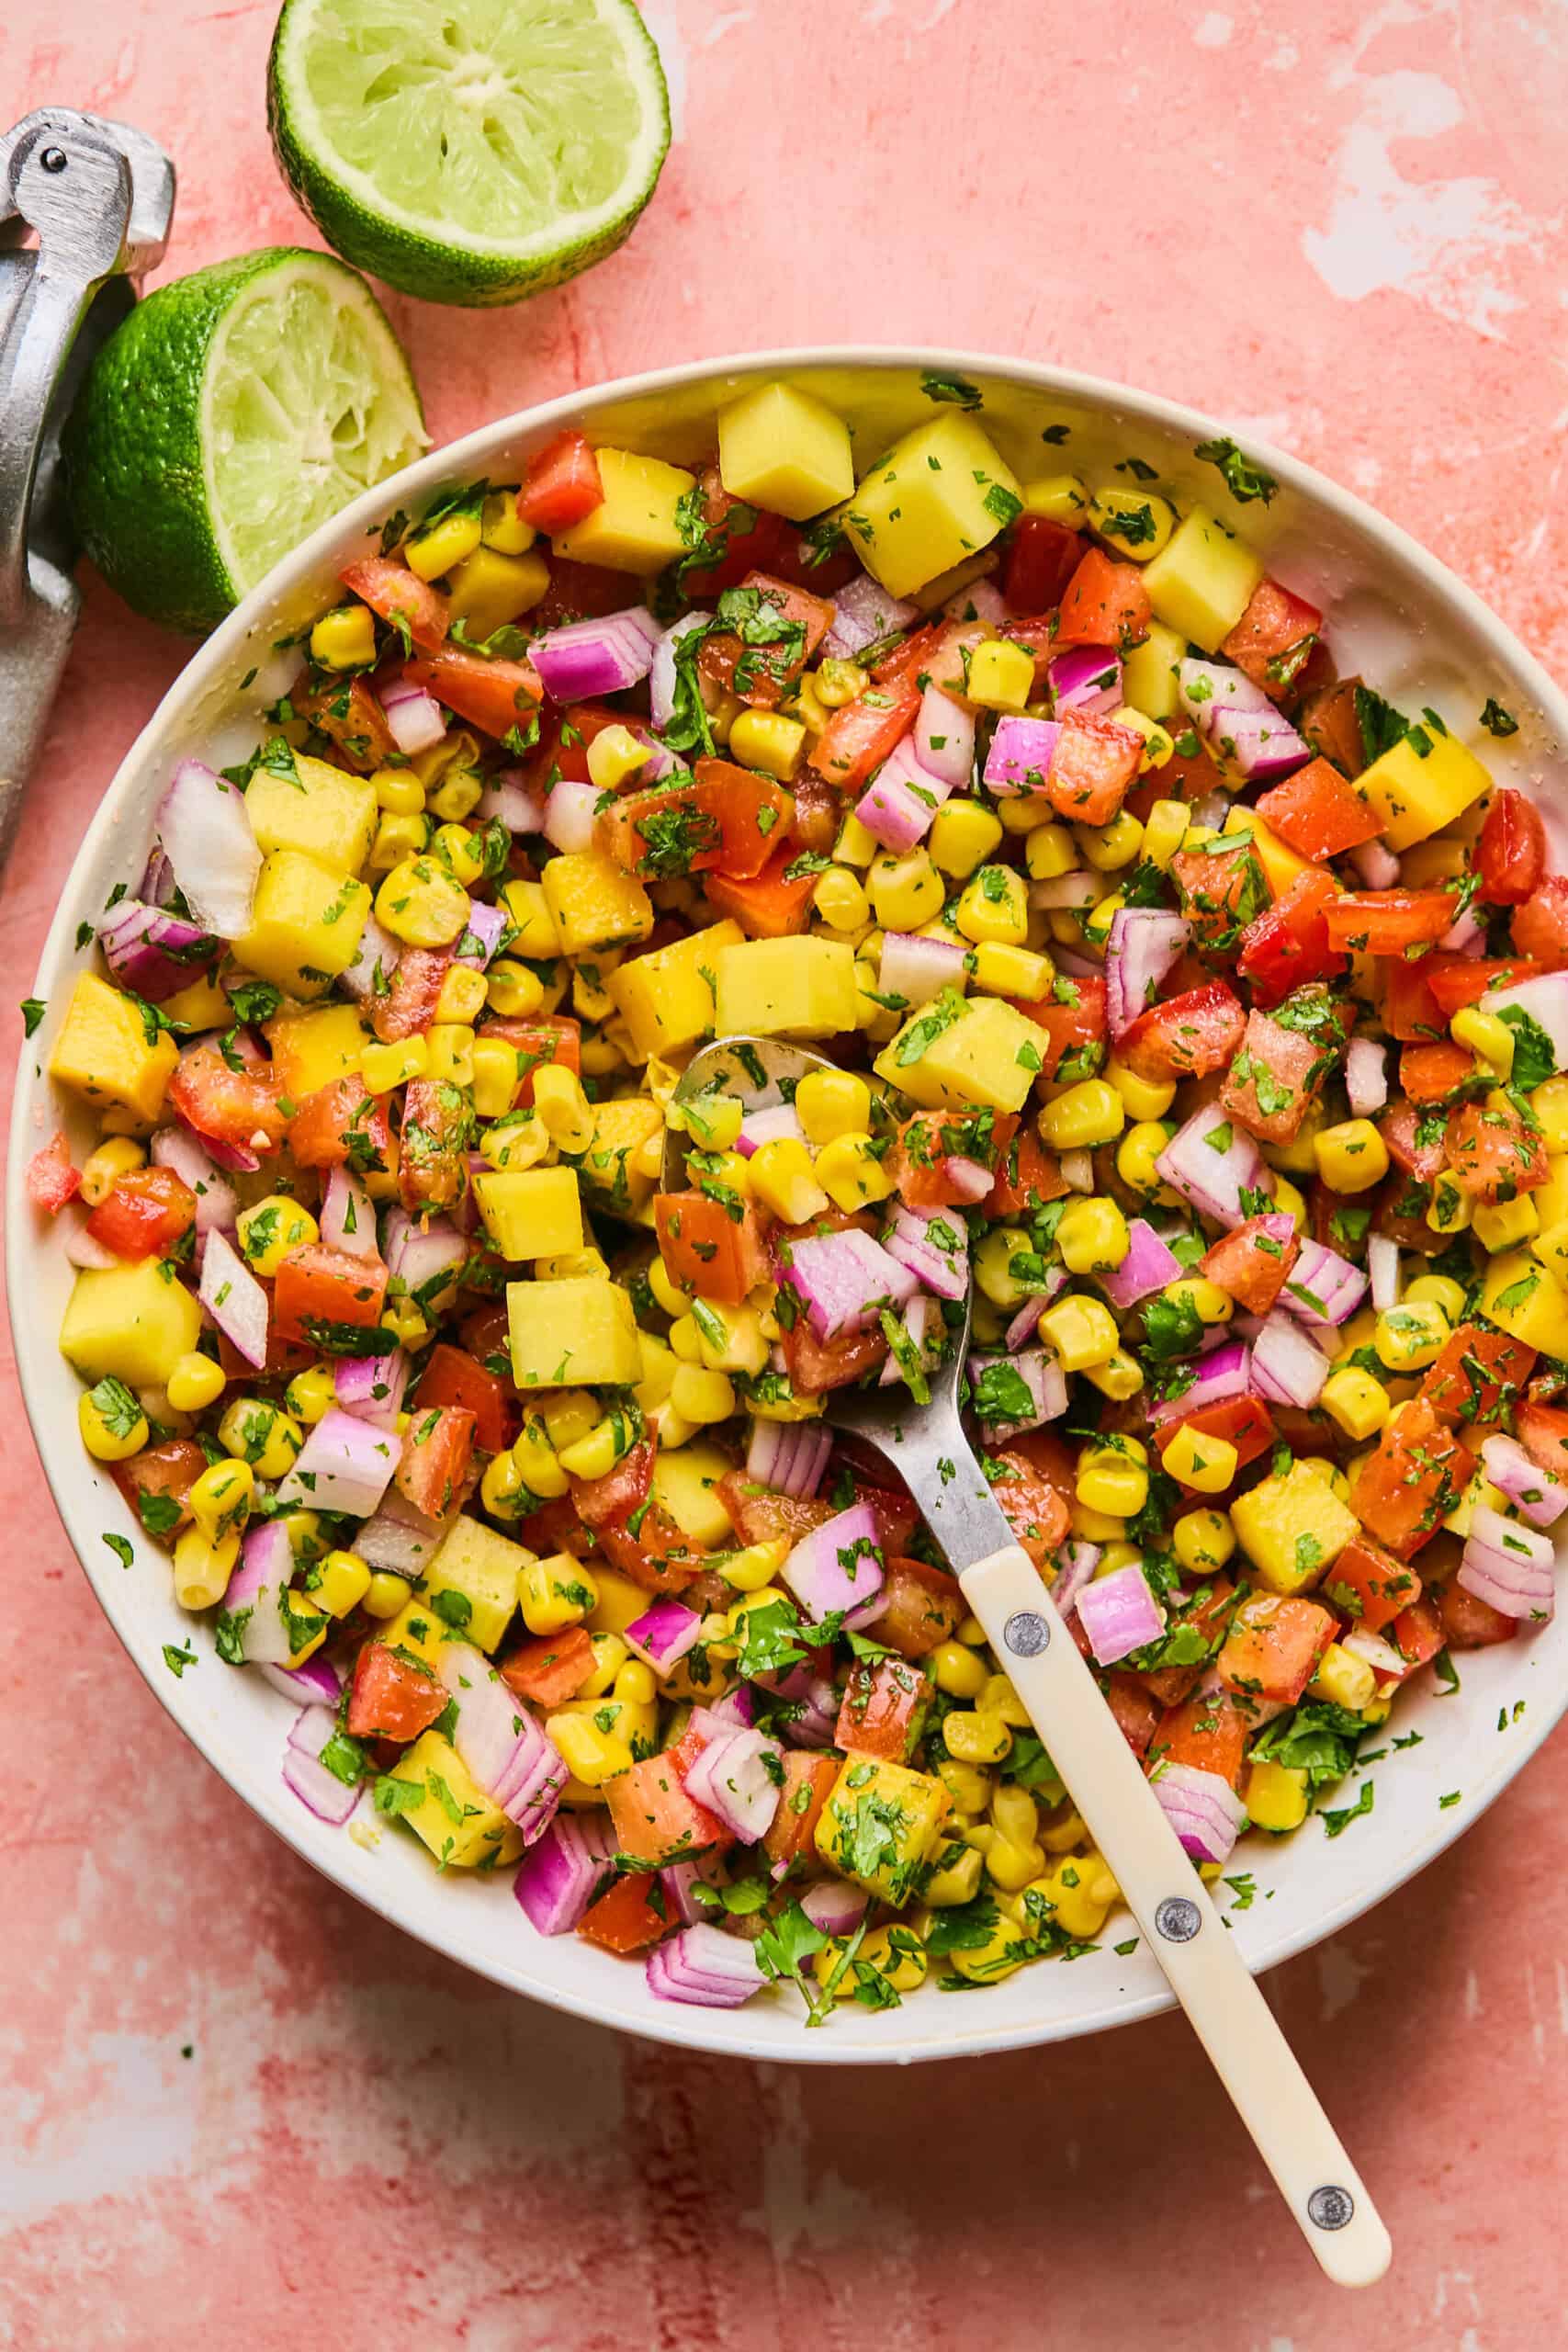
[(468, 150), (231, 413)]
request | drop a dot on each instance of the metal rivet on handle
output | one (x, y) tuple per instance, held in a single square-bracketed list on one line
[(1026, 1632), (1179, 1919), (1330, 2208), (54, 159)]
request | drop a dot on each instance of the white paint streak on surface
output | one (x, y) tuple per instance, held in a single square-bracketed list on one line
[(727, 23), (1340, 1977), (1214, 31), (1471, 1996), (139, 2121)]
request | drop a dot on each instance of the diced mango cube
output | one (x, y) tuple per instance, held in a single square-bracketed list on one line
[(1200, 584), (328, 815), (686, 1480), (305, 924), (472, 1560), (594, 904), (667, 998), (1422, 783), (637, 527), (1521, 1298), (940, 494), (786, 988), (312, 1049), (880, 1825), (534, 935), (463, 1828), (104, 1052), (564, 1333), (1149, 672), (133, 1322), (1292, 1529), (201, 1005), (785, 450), (964, 1050), (531, 1212)]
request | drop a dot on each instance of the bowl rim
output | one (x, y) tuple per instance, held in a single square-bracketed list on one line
[(724, 2033)]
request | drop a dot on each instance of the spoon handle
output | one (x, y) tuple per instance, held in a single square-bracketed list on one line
[(1201, 1961)]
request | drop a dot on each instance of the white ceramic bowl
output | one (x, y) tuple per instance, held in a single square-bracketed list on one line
[(1393, 613)]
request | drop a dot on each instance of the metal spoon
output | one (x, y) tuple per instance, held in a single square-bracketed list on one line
[(926, 1447)]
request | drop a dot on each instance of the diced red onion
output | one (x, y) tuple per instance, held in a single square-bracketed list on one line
[(1149, 1264), (734, 1778), (481, 936), (1065, 894), (969, 1178), (1085, 678), (569, 814), (502, 1744), (922, 1328), (1212, 1176), (834, 1904), (1020, 758), (738, 1706), (838, 1567), (1382, 1269), (1377, 867), (1119, 1614), (1466, 936), (217, 1204), (345, 1464), (1077, 1170), (1041, 1374), (1509, 1565), (846, 1279), (1075, 1564), (1223, 1373), (661, 676), (152, 953), (372, 1387), (158, 884), (348, 1215), (426, 1259), (567, 1868), (596, 657), (1287, 1367), (1202, 1808), (810, 1700), (329, 1799), (899, 804), (415, 721), (917, 969), (399, 1538), (205, 828), (934, 1246), (1387, 1663), (706, 1968), (1366, 1077), (1542, 1001), (1142, 947), (789, 1456), (254, 1595), (234, 1299), (1532, 1490), (317, 1683), (1261, 745), (1322, 1287), (664, 1633), (1210, 690), (680, 1882), (780, 1123), (980, 601), (944, 738), (507, 797), (862, 613), (1026, 1322), (375, 960)]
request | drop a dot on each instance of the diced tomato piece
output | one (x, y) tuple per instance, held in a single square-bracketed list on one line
[(1208, 1730), (1093, 765), (348, 714), (1222, 889), (1074, 1018), (729, 818), (432, 1146), (1245, 1422), (1137, 1711), (1370, 1586), (775, 904), (618, 1493), (1029, 1178), (1385, 923), (1457, 981), (747, 539), (1273, 1081), (896, 1512), (145, 1214), (1470, 1623), (807, 1783), (1274, 640), (707, 1251), (1540, 926), (625, 1920), (1188, 774), (438, 1449), (654, 1819), (1104, 603), (884, 1709), (762, 674), (1274, 1645), (921, 1606), (815, 1365), (235, 1108), (52, 1179), (1317, 814), (1415, 1144), (1287, 945), (395, 594), (579, 592), (393, 1695), (1041, 562), (550, 1037), (1191, 1036), (926, 1142), (1408, 1487), (340, 1125), (858, 737), (409, 1007), (493, 696), (1542, 1431), (760, 1516), (1331, 723), (1492, 1153), (561, 485), (156, 1482), (551, 1669), (903, 663), (646, 1544), (1254, 1262), (1036, 1509), (565, 735), (554, 1527), (1207, 1609), (448, 1376), (1417, 1633), (1477, 1377), (1511, 856), (1436, 1072), (1410, 1010), (319, 1294)]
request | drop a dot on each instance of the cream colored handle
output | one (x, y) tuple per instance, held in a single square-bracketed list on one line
[(1204, 1970)]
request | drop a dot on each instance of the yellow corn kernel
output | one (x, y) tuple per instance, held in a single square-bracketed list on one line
[(840, 900), (666, 1290), (962, 835), (610, 1651), (554, 1593), (340, 1583), (905, 891), (1011, 1866), (1437, 1290), (564, 1110), (255, 1431), (194, 1383), (1290, 1202), (404, 1320), (458, 795), (1209, 1464), (854, 845), (1483, 1035), (400, 792), (1408, 1338), (851, 1173), (1549, 1104), (595, 1455), (1136, 1154), (768, 740), (462, 997), (636, 1683), (514, 992), (494, 1067), (535, 1453), (450, 1045), (431, 552), (592, 1756), (1504, 1226), (386, 1594), (1092, 1234), (1098, 921), (701, 1397), (756, 1566), (219, 1501), (398, 838), (344, 639), (783, 1179), (615, 756), (1107, 848), (1119, 1377), (1144, 1099), (1203, 1299), (832, 1103), (1061, 498), (1089, 1113), (271, 1230), (382, 1068), (969, 1786), (994, 1274), (1001, 675), (1112, 1480), (975, 1739), (112, 1423), (1352, 1157), (502, 527), (1165, 829), (311, 1393), (203, 1565), (1357, 1403), (1081, 1332), (1343, 1678), (1079, 1893), (1000, 1698), (957, 1670), (1203, 1541), (1049, 853), (103, 1168), (462, 854), (420, 903), (1450, 1208), (502, 1490), (685, 1339), (1136, 525), (1277, 1796), (995, 906), (1003, 968)]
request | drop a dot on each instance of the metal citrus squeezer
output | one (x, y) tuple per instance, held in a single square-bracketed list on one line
[(84, 210)]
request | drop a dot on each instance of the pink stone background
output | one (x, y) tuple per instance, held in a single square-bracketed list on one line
[(237, 2111)]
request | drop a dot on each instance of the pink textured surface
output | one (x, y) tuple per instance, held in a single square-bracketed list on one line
[(242, 2111)]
